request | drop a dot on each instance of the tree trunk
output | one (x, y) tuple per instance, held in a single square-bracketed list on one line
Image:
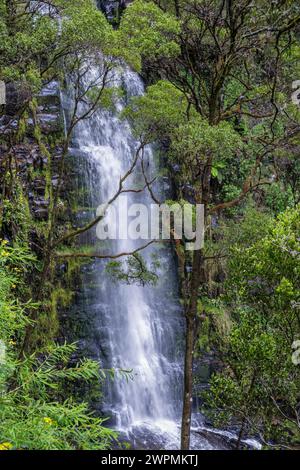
[(198, 277), (188, 385), (10, 16), (241, 434), (191, 316)]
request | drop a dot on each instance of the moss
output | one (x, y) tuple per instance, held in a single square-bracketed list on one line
[(73, 268), (18, 224), (222, 323), (22, 127), (60, 297), (48, 325), (41, 228), (16, 216), (49, 189), (24, 215)]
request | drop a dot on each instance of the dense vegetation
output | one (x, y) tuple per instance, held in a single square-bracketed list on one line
[(219, 105)]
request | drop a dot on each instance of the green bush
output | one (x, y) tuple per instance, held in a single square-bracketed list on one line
[(34, 411)]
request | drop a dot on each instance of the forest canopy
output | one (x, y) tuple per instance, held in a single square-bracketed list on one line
[(221, 108)]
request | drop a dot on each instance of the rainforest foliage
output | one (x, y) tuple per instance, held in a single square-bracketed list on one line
[(221, 107), (223, 111)]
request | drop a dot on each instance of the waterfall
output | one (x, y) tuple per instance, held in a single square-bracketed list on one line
[(132, 327)]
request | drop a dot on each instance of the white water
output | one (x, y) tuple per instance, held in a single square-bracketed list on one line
[(132, 327), (141, 327)]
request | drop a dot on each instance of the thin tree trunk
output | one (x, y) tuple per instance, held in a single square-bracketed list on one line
[(188, 385), (198, 277), (241, 434), (191, 316), (10, 16)]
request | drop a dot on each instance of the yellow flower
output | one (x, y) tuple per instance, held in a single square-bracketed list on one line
[(5, 446), (13, 286), (48, 421), (11, 342)]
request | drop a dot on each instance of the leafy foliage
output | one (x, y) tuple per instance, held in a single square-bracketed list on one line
[(133, 271), (219, 106), (149, 31), (264, 292), (34, 413)]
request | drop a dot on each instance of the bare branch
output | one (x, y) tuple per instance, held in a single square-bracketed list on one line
[(109, 256)]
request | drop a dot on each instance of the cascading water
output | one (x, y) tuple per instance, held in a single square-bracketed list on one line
[(135, 327), (130, 327)]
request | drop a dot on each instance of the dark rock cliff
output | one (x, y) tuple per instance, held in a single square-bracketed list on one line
[(113, 8)]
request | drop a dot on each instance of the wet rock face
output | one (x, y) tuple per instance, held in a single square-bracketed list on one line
[(113, 8), (26, 159), (224, 440), (16, 95)]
